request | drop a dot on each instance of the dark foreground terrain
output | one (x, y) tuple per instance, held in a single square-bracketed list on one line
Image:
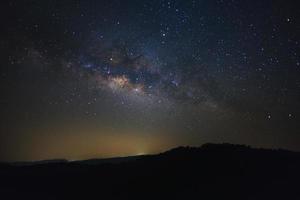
[(212, 171)]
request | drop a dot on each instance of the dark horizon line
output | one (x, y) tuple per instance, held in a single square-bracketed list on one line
[(64, 160)]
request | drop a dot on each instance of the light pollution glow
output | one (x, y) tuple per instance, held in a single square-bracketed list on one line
[(96, 144)]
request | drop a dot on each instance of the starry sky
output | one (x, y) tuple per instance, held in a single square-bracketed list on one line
[(85, 79)]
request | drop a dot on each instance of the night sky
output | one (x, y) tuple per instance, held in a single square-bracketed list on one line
[(85, 79)]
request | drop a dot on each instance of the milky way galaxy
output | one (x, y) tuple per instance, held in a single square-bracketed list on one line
[(83, 79)]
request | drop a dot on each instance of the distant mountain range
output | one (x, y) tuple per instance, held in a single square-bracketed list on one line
[(95, 161), (212, 171)]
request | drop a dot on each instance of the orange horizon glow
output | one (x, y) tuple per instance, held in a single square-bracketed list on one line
[(104, 143)]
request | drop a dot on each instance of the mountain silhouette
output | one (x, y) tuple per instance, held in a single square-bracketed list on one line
[(212, 171)]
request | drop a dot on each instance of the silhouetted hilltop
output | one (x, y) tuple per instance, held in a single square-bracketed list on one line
[(212, 147), (212, 171)]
